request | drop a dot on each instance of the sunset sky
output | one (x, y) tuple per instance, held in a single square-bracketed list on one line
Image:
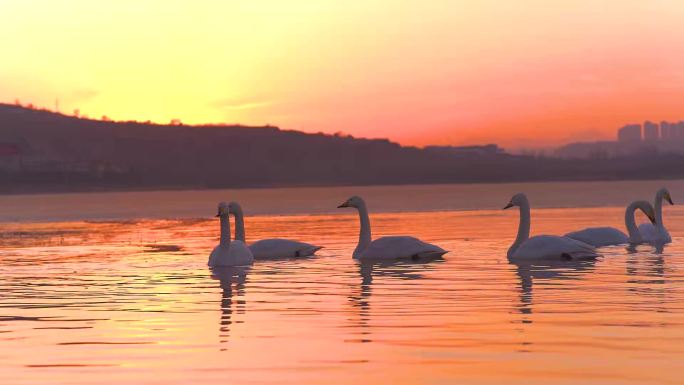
[(519, 73)]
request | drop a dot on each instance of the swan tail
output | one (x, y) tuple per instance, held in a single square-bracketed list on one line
[(580, 256), (308, 251), (430, 254)]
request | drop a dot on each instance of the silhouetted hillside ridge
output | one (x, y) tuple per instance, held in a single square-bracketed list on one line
[(46, 151)]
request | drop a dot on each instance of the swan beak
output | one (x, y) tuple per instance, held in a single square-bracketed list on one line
[(652, 218), (508, 206), (669, 200), (343, 205)]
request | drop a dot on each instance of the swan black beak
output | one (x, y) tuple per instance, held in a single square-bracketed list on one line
[(669, 200), (508, 206), (652, 218), (343, 205), (217, 215)]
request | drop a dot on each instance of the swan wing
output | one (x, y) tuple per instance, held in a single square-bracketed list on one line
[(398, 247), (554, 247), (282, 248), (599, 236)]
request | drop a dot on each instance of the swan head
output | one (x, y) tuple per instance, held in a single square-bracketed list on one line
[(646, 208), (354, 201), (234, 208), (222, 209), (518, 199), (663, 193)]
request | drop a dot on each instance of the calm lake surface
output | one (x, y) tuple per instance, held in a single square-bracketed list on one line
[(111, 288)]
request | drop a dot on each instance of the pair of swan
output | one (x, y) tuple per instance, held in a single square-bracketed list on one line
[(227, 252), (237, 253), (607, 236), (654, 232), (582, 244)]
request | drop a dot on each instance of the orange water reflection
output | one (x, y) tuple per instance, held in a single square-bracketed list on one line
[(113, 302)]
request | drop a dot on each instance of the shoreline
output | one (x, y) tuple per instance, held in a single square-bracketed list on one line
[(182, 188)]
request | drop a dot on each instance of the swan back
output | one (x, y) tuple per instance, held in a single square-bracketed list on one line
[(400, 247), (281, 248), (554, 247), (599, 236)]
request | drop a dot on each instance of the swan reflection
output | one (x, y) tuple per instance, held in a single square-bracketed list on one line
[(545, 272), (232, 282), (370, 270)]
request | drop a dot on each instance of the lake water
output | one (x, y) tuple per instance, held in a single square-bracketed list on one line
[(113, 288)]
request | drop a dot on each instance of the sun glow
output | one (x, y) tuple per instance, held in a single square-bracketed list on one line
[(417, 72)]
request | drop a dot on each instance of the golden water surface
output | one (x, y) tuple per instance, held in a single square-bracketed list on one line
[(132, 301)]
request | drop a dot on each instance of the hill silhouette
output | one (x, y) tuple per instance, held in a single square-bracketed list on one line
[(46, 151)]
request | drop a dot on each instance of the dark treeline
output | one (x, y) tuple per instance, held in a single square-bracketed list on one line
[(45, 151)]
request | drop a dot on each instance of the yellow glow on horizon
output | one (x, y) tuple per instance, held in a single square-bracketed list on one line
[(418, 72)]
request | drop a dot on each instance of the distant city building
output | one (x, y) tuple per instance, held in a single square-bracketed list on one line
[(630, 133), (650, 131), (664, 130), (678, 130)]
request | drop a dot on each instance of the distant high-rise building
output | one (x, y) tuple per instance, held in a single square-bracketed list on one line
[(677, 130), (630, 133), (650, 131), (664, 130)]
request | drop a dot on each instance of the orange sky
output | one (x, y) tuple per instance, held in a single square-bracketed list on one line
[(516, 72)]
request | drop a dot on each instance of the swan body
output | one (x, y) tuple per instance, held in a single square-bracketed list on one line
[(237, 254), (270, 248), (282, 248), (228, 253), (541, 247), (553, 247), (599, 236), (400, 247), (656, 232), (388, 248), (606, 236)]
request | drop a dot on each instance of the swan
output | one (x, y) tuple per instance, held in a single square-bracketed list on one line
[(395, 247), (543, 246), (228, 253), (270, 248), (656, 232), (605, 236)]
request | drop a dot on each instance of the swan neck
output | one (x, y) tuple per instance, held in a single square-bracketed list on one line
[(630, 224), (658, 208), (225, 230), (523, 228), (239, 225), (365, 229)]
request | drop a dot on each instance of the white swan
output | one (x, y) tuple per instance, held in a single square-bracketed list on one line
[(605, 236), (543, 246), (395, 247), (657, 233), (270, 248), (229, 253)]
